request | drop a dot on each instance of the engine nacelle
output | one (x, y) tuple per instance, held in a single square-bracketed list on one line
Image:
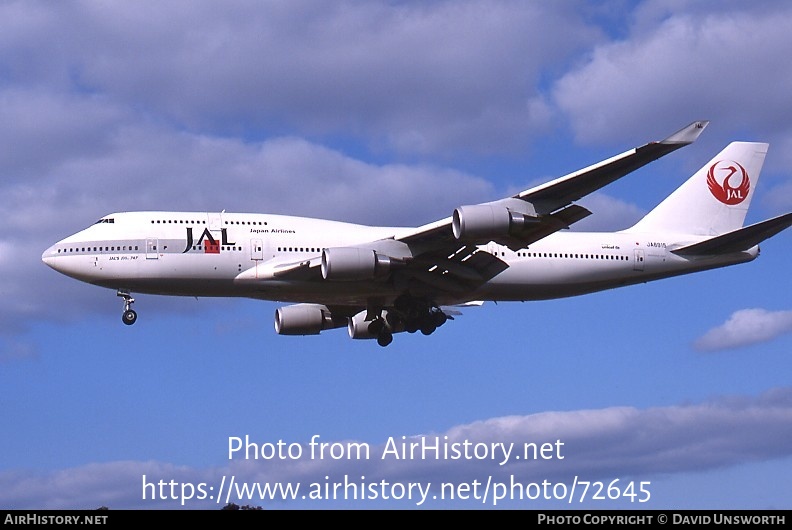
[(358, 326), (305, 319), (350, 264), (485, 222)]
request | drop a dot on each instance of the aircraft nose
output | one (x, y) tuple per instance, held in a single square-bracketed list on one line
[(48, 257)]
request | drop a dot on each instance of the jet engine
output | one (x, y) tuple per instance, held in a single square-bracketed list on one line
[(350, 264), (485, 222), (305, 319)]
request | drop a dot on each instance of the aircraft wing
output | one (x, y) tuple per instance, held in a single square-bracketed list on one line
[(547, 208), (562, 191), (445, 256), (457, 271), (520, 220)]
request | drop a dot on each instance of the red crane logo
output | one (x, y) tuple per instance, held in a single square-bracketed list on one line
[(719, 179)]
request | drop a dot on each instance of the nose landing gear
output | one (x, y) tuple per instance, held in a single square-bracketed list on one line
[(129, 316)]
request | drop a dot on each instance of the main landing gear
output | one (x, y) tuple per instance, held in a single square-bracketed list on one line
[(383, 329), (129, 316), (408, 314)]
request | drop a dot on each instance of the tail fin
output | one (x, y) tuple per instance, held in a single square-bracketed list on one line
[(715, 199)]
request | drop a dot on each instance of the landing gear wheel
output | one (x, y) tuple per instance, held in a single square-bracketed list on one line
[(129, 317), (439, 318), (427, 328), (376, 326), (384, 338)]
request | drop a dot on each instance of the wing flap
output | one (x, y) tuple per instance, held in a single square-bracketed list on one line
[(464, 269)]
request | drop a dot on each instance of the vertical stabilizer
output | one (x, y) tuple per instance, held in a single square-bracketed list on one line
[(715, 199)]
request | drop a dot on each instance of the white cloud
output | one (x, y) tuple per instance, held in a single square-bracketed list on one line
[(746, 327), (418, 77), (617, 442), (609, 214), (685, 63)]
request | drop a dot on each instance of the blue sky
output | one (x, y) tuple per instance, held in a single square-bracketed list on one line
[(394, 114)]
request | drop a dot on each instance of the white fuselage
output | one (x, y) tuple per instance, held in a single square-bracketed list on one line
[(238, 255)]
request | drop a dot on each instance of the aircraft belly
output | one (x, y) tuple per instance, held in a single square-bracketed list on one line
[(171, 274), (533, 280), (540, 279), (320, 291)]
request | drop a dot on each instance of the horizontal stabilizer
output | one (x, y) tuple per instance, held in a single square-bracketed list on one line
[(738, 240)]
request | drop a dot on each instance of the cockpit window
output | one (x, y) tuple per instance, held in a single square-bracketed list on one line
[(105, 220)]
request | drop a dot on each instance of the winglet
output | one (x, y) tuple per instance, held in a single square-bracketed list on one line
[(687, 135)]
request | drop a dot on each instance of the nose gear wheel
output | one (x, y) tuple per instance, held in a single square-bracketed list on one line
[(129, 316)]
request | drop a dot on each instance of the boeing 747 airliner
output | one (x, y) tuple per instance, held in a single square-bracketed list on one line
[(377, 281)]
